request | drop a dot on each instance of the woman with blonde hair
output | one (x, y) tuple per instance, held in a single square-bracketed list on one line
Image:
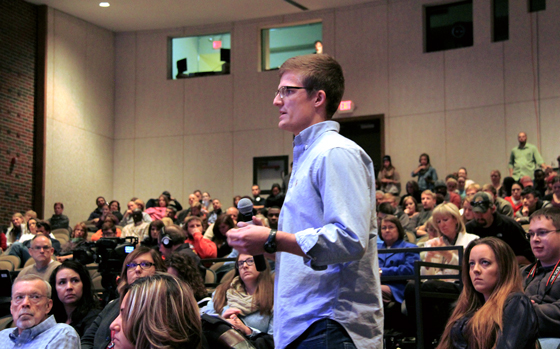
[(158, 311), (16, 229), (245, 298), (492, 311)]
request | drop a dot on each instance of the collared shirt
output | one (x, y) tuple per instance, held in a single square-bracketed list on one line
[(524, 161), (48, 334), (339, 277)]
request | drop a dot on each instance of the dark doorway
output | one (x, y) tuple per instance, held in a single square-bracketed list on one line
[(368, 133)]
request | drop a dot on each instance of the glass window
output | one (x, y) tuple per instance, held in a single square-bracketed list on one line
[(200, 55), (281, 43), (449, 26), (500, 23)]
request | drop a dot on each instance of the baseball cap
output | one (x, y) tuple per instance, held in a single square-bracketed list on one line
[(481, 202), (440, 183)]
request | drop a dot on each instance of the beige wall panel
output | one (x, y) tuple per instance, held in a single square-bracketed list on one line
[(159, 101), (364, 57), (125, 85), (206, 29), (549, 44), (416, 80), (251, 144), (520, 117), (69, 68), (100, 81), (79, 168), (158, 166), (550, 124), (474, 76), (413, 135), (208, 104), (124, 171), (480, 150), (208, 166), (518, 71)]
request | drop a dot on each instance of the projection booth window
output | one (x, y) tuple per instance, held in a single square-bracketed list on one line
[(449, 26), (200, 55), (281, 43)]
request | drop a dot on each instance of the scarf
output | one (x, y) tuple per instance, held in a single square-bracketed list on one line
[(238, 298)]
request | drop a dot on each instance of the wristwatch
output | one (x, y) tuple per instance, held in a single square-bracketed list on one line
[(270, 244)]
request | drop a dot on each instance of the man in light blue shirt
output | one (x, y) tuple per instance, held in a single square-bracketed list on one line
[(31, 302), (327, 289)]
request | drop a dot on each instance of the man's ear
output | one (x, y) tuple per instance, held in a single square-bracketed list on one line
[(320, 98), (49, 306)]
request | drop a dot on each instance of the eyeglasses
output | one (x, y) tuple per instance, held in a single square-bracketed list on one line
[(480, 204), (249, 261), (33, 298), (39, 248), (539, 233), (143, 265), (286, 91)]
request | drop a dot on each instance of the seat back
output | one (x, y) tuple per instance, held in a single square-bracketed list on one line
[(12, 259)]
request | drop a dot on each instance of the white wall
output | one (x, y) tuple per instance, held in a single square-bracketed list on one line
[(80, 115)]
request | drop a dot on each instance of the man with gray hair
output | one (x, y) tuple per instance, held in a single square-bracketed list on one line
[(31, 303), (41, 251)]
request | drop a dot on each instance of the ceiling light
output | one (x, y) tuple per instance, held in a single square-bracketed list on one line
[(104, 4)]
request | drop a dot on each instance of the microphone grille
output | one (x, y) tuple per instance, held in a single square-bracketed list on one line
[(245, 206)]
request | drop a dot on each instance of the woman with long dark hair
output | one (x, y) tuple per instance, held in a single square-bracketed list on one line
[(492, 311), (388, 178), (223, 223), (74, 302), (184, 267)]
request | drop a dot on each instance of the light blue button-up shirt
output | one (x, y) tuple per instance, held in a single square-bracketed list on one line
[(48, 334), (330, 207)]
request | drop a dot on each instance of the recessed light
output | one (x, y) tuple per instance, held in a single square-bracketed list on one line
[(104, 4)]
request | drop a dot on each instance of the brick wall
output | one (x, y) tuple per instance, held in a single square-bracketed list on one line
[(18, 52)]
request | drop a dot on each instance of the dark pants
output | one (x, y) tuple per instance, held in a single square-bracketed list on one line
[(20, 250), (323, 334)]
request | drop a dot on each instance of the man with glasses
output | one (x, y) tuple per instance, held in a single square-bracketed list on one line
[(327, 290), (488, 222), (541, 282), (41, 251), (31, 303)]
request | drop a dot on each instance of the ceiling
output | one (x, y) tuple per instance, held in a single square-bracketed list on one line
[(133, 15)]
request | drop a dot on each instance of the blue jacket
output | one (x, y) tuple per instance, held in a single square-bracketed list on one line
[(394, 264)]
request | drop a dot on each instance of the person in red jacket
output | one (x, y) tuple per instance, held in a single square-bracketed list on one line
[(204, 248)]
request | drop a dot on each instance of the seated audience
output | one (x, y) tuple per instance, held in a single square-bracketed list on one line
[(394, 264), (173, 240), (16, 229), (473, 189), (181, 216), (78, 238), (233, 212), (387, 208), (461, 187), (441, 188), (219, 230), (492, 311), (432, 230), (515, 198), (462, 173), (496, 178), (127, 217), (505, 191), (204, 248), (488, 222), (531, 203), (94, 216), (115, 208), (105, 212), (388, 178), (411, 190), (155, 229), (108, 229), (538, 280), (466, 211), (3, 240), (554, 196), (30, 214), (31, 304), (236, 199), (58, 220), (217, 210), (452, 185), (159, 211), (206, 203), (428, 203), (258, 201), (526, 181), (410, 207), (157, 311), (41, 251), (540, 182), (276, 197), (138, 229), (185, 269), (503, 206), (427, 175), (74, 302), (21, 248), (245, 298), (273, 215), (139, 263)]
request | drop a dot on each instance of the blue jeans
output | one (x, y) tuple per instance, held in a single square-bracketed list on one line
[(323, 334)]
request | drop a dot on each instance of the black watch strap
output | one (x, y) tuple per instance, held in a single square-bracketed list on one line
[(270, 244)]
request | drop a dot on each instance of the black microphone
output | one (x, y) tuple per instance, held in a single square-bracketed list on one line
[(245, 207)]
